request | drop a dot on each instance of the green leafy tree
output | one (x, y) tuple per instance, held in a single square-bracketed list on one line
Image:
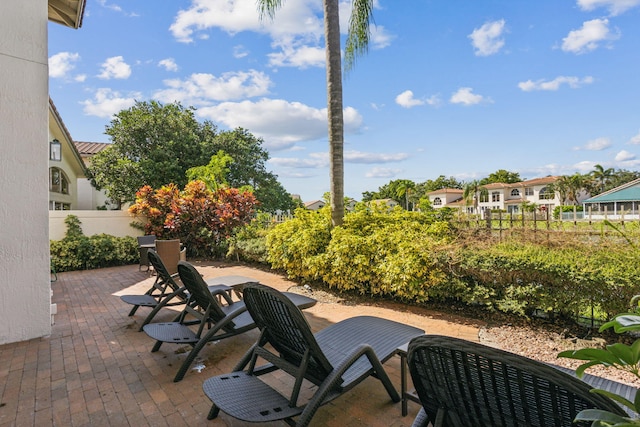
[(117, 175), (357, 44), (620, 177), (214, 174), (503, 176), (155, 145)]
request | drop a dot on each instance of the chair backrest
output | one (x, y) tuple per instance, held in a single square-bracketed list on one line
[(199, 293), (475, 385), (285, 328), (146, 240), (163, 275), (169, 251)]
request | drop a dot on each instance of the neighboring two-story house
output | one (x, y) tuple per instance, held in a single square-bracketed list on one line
[(66, 167), (502, 196)]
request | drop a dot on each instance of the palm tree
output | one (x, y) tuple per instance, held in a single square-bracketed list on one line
[(405, 189), (472, 192), (602, 176), (357, 44)]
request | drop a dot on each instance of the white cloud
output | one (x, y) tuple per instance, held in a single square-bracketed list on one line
[(280, 123), (106, 103), (315, 161), (597, 144), (294, 17), (293, 53), (383, 173), (380, 38), (240, 51), (406, 100), (465, 96), (487, 40), (589, 37), (62, 63), (201, 88), (368, 158), (168, 64), (615, 7), (80, 78), (624, 156), (115, 68), (297, 30), (572, 82), (635, 140)]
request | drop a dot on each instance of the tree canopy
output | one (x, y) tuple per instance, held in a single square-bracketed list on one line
[(156, 144)]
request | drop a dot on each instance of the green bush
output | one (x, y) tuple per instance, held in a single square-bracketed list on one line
[(296, 245), (79, 252)]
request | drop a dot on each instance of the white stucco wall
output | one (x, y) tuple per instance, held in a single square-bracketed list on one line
[(114, 223), (25, 306)]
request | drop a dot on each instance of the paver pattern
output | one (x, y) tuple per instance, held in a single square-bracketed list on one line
[(96, 369)]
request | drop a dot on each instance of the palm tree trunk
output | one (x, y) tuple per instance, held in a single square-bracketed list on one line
[(334, 110)]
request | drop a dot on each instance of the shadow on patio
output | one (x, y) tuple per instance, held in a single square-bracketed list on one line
[(97, 369)]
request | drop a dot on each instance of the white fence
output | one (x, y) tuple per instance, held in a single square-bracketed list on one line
[(115, 223)]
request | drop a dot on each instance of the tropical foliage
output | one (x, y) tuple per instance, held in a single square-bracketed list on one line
[(201, 218)]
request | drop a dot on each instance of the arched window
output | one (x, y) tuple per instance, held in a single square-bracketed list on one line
[(58, 181), (545, 194), (515, 193), (437, 201)]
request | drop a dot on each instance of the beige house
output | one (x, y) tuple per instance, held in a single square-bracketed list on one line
[(25, 306), (66, 167), (501, 196), (445, 197)]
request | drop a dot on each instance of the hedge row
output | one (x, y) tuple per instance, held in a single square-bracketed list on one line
[(417, 257), (79, 252)]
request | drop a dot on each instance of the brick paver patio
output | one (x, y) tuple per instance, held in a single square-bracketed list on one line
[(96, 369)]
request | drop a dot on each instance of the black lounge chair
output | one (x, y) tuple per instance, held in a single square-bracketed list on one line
[(335, 359), (204, 319), (166, 292), (462, 383)]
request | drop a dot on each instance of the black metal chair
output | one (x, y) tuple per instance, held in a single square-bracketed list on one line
[(204, 319), (335, 359), (462, 383), (144, 244)]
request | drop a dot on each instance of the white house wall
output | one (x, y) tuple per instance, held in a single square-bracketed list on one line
[(25, 306)]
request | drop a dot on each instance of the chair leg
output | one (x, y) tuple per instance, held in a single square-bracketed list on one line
[(133, 310), (156, 346), (213, 412)]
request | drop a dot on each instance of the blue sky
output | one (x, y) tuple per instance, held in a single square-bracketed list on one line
[(458, 88)]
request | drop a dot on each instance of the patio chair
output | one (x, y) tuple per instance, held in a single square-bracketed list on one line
[(144, 244), (463, 383), (204, 313), (165, 291), (335, 360)]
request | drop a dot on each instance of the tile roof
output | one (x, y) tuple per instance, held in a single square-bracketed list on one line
[(87, 149)]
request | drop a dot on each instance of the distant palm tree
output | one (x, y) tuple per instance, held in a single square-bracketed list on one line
[(404, 190), (602, 177), (357, 44), (472, 192)]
